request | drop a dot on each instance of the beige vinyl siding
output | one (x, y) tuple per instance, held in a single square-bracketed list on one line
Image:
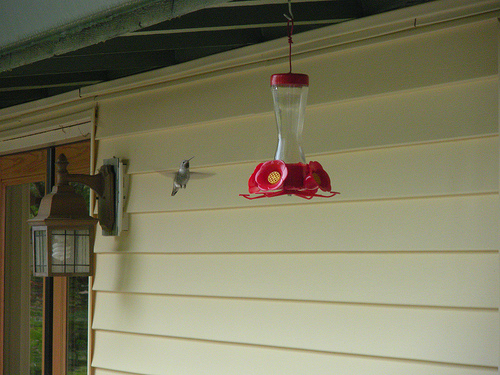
[(459, 223), (379, 278), (464, 166), (429, 334), (399, 274), (182, 356)]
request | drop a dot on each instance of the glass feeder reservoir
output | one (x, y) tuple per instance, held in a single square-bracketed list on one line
[(289, 92)]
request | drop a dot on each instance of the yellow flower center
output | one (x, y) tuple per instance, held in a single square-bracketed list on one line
[(273, 177), (316, 178)]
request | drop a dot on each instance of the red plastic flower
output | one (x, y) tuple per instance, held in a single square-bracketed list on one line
[(270, 175), (295, 178), (252, 184), (274, 178), (310, 183), (320, 177)]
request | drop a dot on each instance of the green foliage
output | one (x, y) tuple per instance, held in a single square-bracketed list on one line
[(77, 325), (36, 325), (79, 371), (37, 191)]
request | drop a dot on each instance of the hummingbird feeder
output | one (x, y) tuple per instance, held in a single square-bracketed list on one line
[(289, 173)]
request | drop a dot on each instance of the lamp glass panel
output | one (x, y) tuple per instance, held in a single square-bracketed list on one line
[(70, 251), (40, 249)]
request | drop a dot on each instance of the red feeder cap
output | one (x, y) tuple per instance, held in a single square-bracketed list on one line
[(289, 79)]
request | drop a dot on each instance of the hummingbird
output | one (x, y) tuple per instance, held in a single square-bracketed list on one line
[(181, 177)]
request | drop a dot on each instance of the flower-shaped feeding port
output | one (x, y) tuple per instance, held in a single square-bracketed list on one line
[(289, 173)]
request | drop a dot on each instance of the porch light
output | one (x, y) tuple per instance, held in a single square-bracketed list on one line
[(63, 233), (289, 173)]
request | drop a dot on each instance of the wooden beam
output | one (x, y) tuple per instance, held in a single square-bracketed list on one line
[(234, 27), (92, 31)]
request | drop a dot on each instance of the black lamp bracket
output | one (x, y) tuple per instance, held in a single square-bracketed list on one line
[(105, 184)]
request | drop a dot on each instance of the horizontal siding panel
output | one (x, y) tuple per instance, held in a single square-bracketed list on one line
[(449, 279), (447, 168), (434, 224), (471, 110), (158, 355), (419, 60), (461, 53), (464, 109), (420, 334), (100, 371)]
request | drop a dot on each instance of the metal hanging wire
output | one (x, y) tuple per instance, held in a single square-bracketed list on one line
[(289, 26)]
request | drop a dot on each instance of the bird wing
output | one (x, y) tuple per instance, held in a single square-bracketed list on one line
[(168, 173), (200, 175), (194, 175)]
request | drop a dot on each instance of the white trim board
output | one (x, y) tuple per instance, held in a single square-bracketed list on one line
[(71, 128)]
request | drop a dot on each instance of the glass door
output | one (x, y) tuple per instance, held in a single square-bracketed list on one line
[(44, 321)]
